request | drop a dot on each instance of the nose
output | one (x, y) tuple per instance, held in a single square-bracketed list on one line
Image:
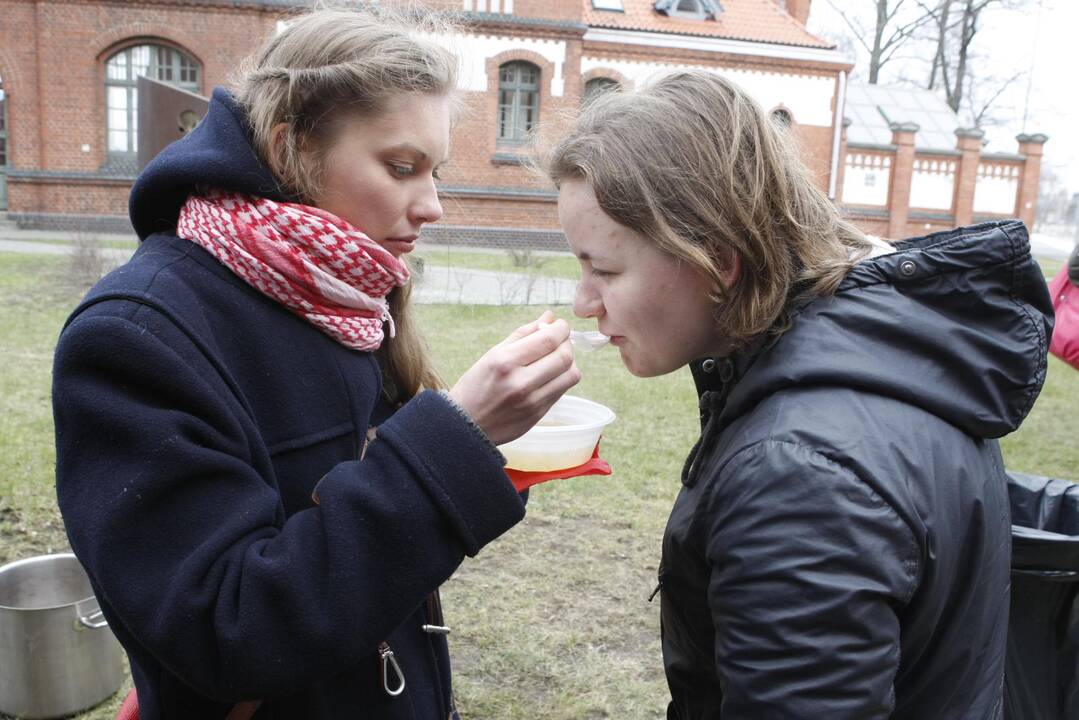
[(586, 301), (426, 208)]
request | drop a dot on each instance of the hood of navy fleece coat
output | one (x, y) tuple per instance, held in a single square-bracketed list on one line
[(217, 154)]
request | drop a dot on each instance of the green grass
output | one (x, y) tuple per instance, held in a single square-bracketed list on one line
[(1050, 266), (551, 620), (562, 265)]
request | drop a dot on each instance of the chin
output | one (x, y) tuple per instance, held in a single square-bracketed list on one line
[(644, 369)]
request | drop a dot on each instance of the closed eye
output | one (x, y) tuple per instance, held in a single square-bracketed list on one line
[(402, 170), (601, 273)]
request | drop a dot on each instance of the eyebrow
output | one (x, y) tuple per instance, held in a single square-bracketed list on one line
[(416, 150)]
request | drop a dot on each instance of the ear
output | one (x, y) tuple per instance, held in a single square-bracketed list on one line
[(277, 147), (731, 271)]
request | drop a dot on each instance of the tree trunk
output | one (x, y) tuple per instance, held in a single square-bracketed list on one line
[(941, 16), (878, 37)]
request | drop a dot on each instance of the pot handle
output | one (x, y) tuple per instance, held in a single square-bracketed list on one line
[(93, 620)]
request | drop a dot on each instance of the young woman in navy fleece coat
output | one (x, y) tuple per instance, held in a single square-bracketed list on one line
[(254, 461)]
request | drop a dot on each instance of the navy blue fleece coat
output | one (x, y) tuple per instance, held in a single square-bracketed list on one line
[(194, 417)]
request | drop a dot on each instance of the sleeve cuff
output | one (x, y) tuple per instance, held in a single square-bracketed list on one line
[(457, 465)]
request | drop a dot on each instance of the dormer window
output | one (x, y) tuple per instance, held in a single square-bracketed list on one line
[(690, 9), (613, 5)]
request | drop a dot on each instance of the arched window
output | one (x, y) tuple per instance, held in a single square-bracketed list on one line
[(597, 86), (3, 147), (518, 100), (121, 72)]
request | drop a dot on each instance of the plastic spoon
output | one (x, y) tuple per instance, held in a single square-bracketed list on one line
[(588, 340)]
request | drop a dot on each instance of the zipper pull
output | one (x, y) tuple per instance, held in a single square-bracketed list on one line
[(434, 624), (385, 661), (655, 592)]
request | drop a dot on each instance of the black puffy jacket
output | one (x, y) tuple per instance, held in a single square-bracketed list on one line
[(840, 546)]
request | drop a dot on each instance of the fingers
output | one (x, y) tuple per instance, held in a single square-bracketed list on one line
[(544, 340), (546, 318), (550, 366)]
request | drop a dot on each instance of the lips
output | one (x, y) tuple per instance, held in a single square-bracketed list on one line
[(400, 245)]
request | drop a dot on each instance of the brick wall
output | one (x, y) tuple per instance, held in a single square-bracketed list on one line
[(56, 84), (52, 58)]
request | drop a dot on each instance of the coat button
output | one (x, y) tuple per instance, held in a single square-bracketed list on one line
[(708, 365), (907, 267)]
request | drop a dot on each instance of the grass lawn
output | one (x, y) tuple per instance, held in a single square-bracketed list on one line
[(1050, 266), (562, 265), (550, 621)]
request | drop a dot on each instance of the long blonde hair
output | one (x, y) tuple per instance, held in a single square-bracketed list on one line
[(326, 65), (693, 164)]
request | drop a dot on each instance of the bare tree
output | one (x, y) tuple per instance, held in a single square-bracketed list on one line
[(892, 28), (983, 94), (1054, 200), (955, 24)]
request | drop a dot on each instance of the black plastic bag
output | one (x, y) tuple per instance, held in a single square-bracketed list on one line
[(1041, 676)]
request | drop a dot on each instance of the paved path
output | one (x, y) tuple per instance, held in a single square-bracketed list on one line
[(438, 283)]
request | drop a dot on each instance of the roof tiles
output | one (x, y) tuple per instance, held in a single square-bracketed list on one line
[(752, 20)]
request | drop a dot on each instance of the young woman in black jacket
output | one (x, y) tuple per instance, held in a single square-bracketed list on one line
[(840, 544), (255, 463)]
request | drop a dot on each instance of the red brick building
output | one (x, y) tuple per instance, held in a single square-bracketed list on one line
[(68, 69)]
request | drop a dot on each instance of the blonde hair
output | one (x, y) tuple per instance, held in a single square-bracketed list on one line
[(326, 65), (693, 164)]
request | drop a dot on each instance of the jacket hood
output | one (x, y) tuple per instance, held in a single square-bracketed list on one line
[(956, 323), (218, 153)]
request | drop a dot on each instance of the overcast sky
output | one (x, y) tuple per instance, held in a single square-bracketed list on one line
[(1043, 39)]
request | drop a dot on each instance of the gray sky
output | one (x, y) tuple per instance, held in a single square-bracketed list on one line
[(1044, 39)]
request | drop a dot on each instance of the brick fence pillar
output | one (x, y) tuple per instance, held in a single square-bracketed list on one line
[(902, 170), (969, 143), (1026, 199)]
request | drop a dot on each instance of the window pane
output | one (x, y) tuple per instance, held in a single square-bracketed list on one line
[(118, 119), (117, 141), (189, 72), (117, 97), (691, 6), (507, 74), (163, 69), (528, 110), (116, 67), (505, 118), (3, 151), (140, 61)]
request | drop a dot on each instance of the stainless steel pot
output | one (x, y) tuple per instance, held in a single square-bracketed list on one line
[(57, 655)]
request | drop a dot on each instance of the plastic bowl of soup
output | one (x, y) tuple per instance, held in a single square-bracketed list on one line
[(563, 438)]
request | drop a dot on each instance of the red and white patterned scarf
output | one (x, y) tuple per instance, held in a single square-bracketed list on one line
[(314, 263)]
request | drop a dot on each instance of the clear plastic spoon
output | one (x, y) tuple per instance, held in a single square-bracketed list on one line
[(588, 340)]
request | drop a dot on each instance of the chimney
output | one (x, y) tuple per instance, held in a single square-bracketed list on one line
[(799, 10)]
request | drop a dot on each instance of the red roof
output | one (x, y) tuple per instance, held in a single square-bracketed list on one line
[(753, 20)]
